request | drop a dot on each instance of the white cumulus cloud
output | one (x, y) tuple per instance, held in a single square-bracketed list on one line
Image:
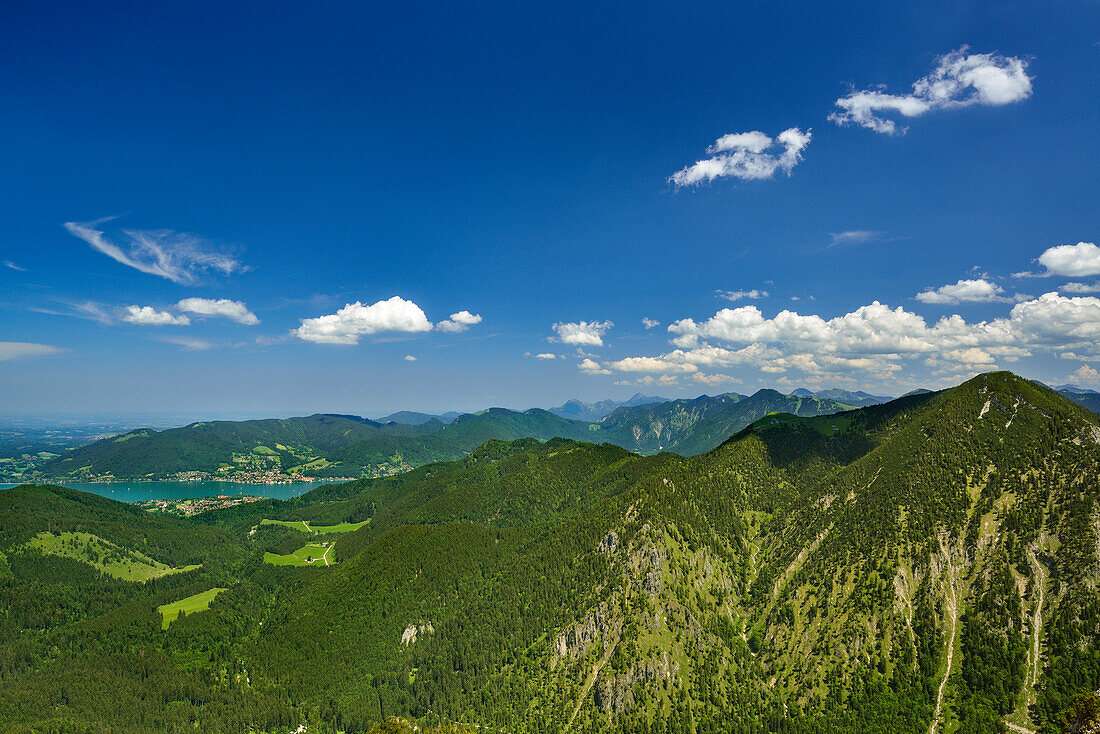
[(653, 365), (178, 256), (149, 316), (459, 322), (355, 320), (1072, 261), (581, 333), (959, 80), (715, 379), (592, 367), (546, 355), (1086, 374), (747, 156), (410, 358), (978, 290), (233, 310), (650, 323), (876, 341)]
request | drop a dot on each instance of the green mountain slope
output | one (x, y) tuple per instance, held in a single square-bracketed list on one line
[(931, 563)]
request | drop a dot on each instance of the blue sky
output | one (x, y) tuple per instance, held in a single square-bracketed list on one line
[(236, 179)]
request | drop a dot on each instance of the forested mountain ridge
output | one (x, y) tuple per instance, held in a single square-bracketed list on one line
[(926, 564), (690, 427), (857, 398), (330, 445), (323, 445)]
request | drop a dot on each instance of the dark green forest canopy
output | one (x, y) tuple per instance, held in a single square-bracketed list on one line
[(867, 571)]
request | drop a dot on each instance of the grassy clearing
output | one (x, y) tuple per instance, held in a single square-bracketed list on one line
[(307, 555), (196, 603), (305, 527), (296, 525), (105, 556), (312, 465)]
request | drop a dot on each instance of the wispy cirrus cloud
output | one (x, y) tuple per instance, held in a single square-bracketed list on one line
[(188, 344), (747, 156), (177, 256), (13, 266), (959, 80), (20, 350), (89, 310), (854, 237)]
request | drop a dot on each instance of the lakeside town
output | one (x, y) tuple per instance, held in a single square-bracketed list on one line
[(255, 476), (196, 505)]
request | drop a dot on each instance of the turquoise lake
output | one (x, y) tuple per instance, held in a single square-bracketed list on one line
[(141, 491)]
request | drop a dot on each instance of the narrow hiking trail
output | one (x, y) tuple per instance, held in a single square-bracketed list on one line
[(1034, 653), (591, 680), (1036, 619), (951, 602)]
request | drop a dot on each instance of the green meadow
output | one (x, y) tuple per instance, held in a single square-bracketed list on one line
[(189, 605), (105, 556), (305, 527), (305, 556)]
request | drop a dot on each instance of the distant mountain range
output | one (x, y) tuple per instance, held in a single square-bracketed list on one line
[(1087, 398), (322, 445), (412, 418), (581, 411), (1073, 389), (858, 398), (332, 445)]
